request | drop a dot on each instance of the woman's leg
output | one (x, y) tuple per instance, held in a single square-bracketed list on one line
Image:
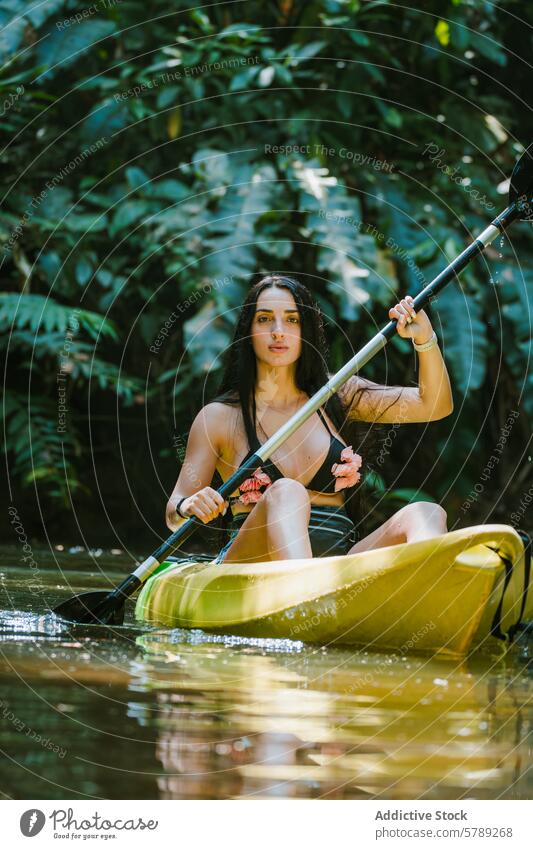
[(277, 527), (420, 520)]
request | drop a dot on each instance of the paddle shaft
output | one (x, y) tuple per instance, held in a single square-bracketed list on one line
[(497, 226)]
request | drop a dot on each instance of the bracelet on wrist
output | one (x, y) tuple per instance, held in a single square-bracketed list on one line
[(425, 346), (178, 505)]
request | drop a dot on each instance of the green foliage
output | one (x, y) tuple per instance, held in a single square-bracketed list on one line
[(42, 457), (60, 48), (146, 180), (467, 346), (40, 313)]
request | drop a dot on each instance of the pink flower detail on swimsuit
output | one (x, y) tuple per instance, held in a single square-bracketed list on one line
[(251, 486), (347, 471)]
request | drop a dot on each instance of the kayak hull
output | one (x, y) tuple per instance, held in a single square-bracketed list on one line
[(438, 595)]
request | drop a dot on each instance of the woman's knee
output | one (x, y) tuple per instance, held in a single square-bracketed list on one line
[(286, 490), (423, 510)]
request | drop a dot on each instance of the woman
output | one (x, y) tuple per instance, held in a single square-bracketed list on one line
[(302, 502)]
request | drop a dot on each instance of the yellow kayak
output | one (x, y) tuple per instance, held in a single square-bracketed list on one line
[(444, 595)]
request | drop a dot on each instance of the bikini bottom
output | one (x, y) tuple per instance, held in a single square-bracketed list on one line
[(331, 532)]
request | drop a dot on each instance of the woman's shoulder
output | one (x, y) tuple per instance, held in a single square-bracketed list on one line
[(214, 422), (220, 416), (218, 411)]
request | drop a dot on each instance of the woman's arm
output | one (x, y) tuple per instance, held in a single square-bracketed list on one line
[(431, 400), (204, 445)]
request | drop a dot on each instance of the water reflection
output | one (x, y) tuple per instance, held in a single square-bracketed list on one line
[(89, 712), (333, 724)]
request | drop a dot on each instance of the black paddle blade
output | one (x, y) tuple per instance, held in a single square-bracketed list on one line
[(521, 185), (92, 608)]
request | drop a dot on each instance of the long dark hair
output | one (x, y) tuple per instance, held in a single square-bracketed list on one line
[(238, 384)]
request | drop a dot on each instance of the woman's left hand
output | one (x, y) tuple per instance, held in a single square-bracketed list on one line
[(411, 324)]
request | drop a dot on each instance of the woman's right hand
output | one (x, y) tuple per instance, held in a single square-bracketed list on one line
[(206, 505)]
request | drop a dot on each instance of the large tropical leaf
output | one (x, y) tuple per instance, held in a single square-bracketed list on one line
[(12, 28), (127, 213), (38, 453), (358, 272), (229, 249), (61, 47), (44, 314), (105, 119), (457, 318), (515, 287), (206, 337)]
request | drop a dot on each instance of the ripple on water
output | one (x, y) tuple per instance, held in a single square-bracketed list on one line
[(198, 637), (31, 626)]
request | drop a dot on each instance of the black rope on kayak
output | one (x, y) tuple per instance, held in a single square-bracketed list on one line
[(526, 539), (496, 630)]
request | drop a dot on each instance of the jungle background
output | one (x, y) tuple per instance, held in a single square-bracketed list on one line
[(156, 159)]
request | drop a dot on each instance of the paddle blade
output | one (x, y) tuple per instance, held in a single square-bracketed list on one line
[(521, 185), (92, 608)]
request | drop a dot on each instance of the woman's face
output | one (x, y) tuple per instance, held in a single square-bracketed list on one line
[(276, 328)]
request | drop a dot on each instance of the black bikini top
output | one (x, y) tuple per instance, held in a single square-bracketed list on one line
[(324, 479)]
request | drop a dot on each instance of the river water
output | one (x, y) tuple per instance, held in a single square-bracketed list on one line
[(140, 713)]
